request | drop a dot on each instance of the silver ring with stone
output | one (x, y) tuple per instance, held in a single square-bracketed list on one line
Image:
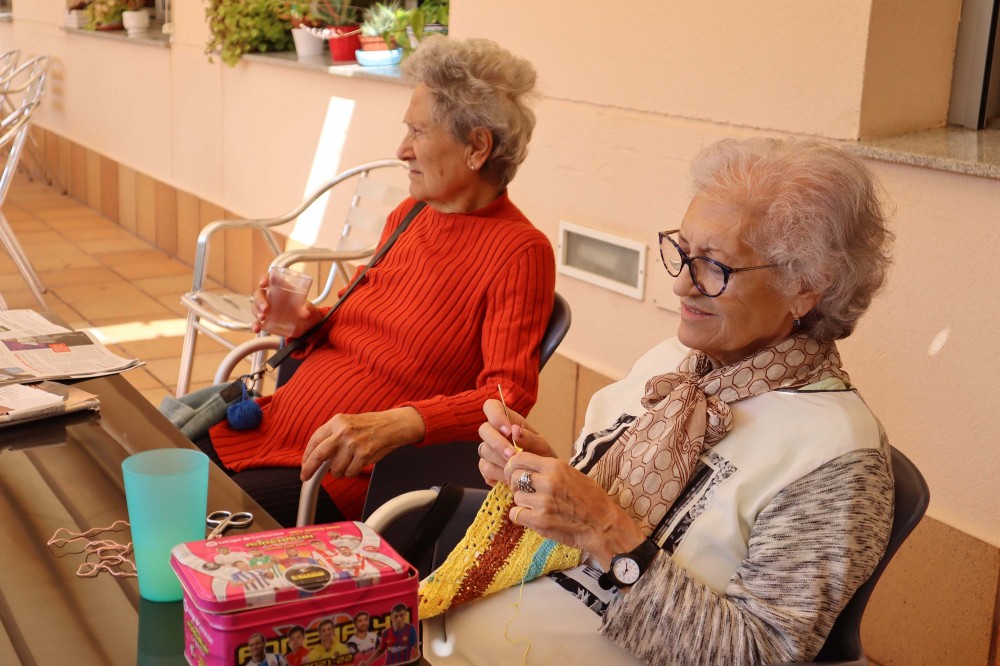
[(524, 482)]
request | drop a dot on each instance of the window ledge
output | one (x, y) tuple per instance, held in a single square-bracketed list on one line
[(151, 38), (321, 63), (969, 152)]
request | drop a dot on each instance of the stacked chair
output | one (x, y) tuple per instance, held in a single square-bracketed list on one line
[(21, 90)]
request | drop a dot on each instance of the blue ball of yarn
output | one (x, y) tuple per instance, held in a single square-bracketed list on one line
[(244, 414)]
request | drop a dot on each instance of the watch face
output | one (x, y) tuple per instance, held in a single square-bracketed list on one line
[(626, 570)]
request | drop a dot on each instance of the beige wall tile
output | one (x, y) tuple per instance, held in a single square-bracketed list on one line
[(145, 207), (208, 213), (187, 226), (53, 172), (935, 602), (109, 189), (554, 411), (166, 217), (65, 164), (240, 276), (261, 257), (588, 383), (78, 172), (93, 180), (126, 199)]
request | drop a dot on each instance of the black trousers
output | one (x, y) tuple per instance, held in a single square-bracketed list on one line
[(276, 489)]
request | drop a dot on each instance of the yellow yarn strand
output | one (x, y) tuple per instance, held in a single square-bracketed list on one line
[(517, 610)]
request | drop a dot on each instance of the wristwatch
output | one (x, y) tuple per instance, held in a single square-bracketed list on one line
[(626, 568)]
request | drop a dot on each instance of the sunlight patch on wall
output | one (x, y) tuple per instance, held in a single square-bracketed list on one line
[(939, 341), (326, 163)]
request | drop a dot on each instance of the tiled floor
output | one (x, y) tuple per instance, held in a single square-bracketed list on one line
[(102, 278)]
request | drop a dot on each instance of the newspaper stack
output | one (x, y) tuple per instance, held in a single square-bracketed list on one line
[(33, 348)]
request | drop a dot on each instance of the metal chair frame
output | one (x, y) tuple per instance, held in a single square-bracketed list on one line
[(28, 81), (10, 73), (209, 311)]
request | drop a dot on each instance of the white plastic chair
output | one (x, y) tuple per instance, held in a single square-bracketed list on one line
[(24, 87), (209, 311)]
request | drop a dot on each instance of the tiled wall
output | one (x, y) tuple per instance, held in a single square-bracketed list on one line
[(154, 211), (937, 603)]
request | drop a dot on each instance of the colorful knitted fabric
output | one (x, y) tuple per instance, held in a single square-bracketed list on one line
[(494, 554)]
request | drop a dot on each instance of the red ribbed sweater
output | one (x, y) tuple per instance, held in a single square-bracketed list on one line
[(457, 305)]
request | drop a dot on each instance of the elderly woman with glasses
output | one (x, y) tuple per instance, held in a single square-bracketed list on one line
[(733, 491)]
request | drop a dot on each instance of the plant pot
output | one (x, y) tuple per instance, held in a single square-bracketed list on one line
[(383, 58), (343, 46), (306, 43), (136, 23), (375, 44)]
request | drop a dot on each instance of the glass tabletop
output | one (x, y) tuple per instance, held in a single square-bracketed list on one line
[(65, 472)]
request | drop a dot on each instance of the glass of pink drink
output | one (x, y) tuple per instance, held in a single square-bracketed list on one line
[(286, 292)]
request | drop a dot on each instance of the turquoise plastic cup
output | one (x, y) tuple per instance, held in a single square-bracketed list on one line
[(167, 495)]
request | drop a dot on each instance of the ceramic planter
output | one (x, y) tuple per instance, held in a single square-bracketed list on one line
[(136, 23), (306, 43), (374, 44), (344, 44)]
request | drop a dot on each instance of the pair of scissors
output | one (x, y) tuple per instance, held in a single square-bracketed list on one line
[(223, 520)]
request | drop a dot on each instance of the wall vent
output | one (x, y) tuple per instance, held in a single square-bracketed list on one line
[(603, 259)]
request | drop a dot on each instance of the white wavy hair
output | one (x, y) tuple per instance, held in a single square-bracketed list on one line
[(822, 221)]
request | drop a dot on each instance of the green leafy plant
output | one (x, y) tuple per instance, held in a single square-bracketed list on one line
[(411, 23), (380, 21), (108, 12), (300, 14), (435, 11), (242, 26), (337, 12)]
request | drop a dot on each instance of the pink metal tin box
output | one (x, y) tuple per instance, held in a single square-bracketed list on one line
[(323, 595)]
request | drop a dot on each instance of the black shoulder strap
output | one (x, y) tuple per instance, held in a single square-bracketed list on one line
[(303, 340)]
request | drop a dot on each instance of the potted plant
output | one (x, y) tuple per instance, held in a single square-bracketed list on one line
[(105, 14), (305, 22), (340, 19), (241, 26), (379, 26), (135, 18), (412, 24)]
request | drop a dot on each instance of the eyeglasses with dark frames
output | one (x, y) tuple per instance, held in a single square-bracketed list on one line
[(709, 276)]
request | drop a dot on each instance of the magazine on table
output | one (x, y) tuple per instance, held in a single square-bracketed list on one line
[(30, 402), (33, 348)]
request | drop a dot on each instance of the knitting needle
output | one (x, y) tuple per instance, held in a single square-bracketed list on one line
[(509, 423)]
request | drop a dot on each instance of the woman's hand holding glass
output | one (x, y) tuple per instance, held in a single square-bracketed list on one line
[(309, 314)]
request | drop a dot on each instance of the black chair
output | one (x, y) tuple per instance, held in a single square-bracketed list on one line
[(843, 645), (410, 468)]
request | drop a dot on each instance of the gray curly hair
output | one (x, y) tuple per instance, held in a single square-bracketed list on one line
[(478, 83), (822, 221)]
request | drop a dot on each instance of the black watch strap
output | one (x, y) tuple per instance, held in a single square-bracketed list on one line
[(643, 555)]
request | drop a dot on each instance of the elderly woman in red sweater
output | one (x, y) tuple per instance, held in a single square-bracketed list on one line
[(458, 304)]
